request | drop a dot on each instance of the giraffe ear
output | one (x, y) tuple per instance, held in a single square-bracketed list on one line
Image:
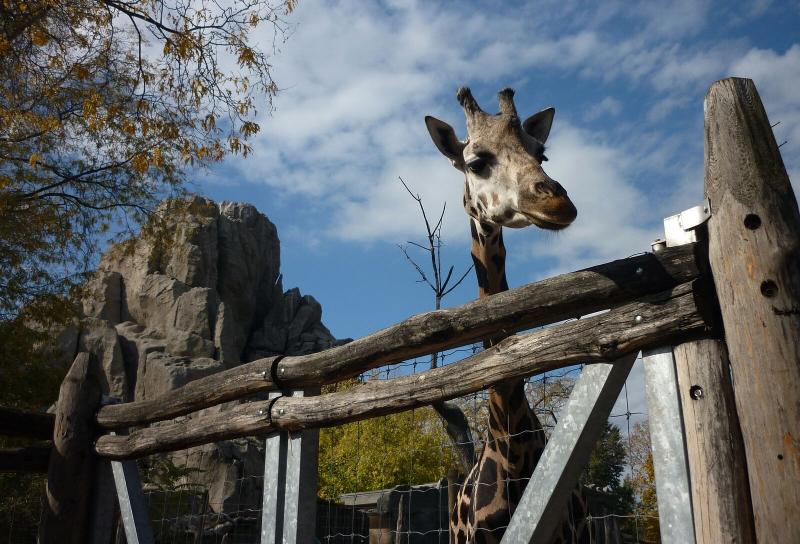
[(445, 139), (538, 125)]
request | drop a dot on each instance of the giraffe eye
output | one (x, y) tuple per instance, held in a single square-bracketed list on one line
[(477, 165)]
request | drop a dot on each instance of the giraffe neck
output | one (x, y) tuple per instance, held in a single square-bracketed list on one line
[(509, 414), (489, 258), (515, 442)]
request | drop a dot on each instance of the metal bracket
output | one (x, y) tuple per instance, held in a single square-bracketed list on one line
[(679, 228), (132, 506)]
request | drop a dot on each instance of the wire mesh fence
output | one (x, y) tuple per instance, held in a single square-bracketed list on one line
[(19, 519), (390, 479), (617, 510)]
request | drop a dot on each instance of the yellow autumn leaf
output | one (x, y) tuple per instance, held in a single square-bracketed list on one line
[(39, 37), (140, 163)]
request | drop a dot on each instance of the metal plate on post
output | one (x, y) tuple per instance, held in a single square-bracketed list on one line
[(679, 228), (542, 506), (669, 451)]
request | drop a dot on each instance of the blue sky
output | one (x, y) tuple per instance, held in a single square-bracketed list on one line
[(627, 80)]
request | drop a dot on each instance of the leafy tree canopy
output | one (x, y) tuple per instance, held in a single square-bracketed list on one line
[(103, 104), (642, 480), (405, 448), (605, 468)]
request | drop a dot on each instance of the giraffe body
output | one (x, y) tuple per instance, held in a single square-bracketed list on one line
[(505, 185)]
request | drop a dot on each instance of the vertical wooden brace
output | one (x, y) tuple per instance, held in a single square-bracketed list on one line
[(717, 470)]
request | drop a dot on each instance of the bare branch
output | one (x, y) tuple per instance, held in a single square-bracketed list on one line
[(419, 269), (458, 282)]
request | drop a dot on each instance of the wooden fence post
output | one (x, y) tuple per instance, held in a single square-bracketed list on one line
[(754, 251), (717, 472), (69, 478)]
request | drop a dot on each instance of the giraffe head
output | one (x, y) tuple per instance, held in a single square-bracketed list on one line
[(502, 161)]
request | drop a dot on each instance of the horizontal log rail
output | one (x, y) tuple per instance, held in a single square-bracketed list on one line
[(653, 321), (25, 459), (15, 422), (548, 301)]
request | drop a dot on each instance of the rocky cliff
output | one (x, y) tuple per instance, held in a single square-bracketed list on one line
[(163, 311)]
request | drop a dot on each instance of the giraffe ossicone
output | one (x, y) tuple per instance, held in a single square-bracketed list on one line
[(504, 186)]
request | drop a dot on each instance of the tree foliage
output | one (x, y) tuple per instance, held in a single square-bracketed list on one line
[(605, 469), (643, 482), (405, 448), (103, 104)]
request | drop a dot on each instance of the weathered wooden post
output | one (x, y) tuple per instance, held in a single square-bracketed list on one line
[(714, 448), (754, 251), (69, 479)]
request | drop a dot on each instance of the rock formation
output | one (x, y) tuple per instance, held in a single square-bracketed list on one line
[(160, 313)]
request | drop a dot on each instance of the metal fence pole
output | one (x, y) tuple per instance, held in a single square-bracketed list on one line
[(132, 506), (288, 514), (669, 450), (543, 503)]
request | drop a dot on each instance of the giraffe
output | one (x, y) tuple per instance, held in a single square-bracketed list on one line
[(505, 186)]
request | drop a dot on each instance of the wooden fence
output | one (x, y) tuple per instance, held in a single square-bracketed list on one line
[(728, 303)]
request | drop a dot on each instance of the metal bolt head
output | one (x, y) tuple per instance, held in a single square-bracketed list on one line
[(639, 271), (265, 375), (638, 319), (696, 392), (262, 412), (281, 411), (658, 245), (282, 370)]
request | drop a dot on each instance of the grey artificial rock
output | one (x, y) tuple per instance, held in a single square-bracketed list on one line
[(249, 265), (99, 337), (162, 373), (206, 296), (103, 296)]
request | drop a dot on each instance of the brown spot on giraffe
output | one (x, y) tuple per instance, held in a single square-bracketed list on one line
[(505, 186)]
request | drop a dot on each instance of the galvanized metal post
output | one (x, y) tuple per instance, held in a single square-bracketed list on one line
[(274, 481), (542, 506), (669, 449), (132, 506), (288, 514)]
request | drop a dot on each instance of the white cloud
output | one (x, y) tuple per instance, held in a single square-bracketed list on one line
[(387, 212), (674, 19), (663, 107), (358, 79), (611, 209), (777, 78), (607, 106)]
